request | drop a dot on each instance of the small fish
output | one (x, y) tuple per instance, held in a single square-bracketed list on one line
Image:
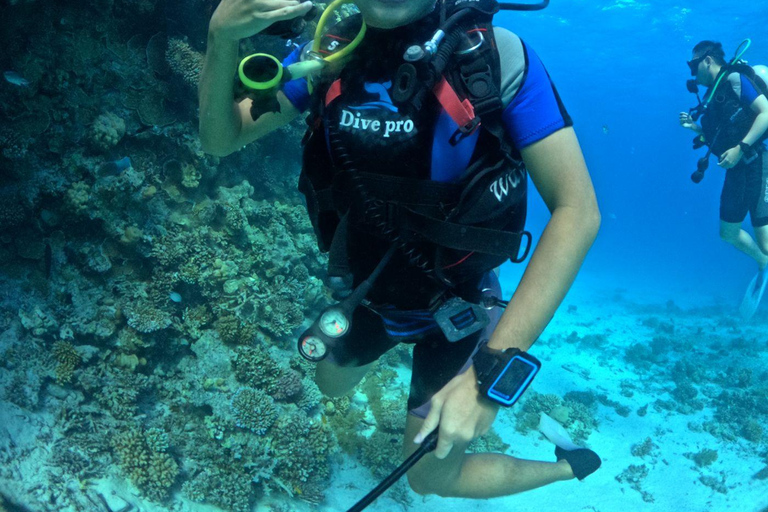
[(116, 167), (605, 129), (14, 78), (175, 297)]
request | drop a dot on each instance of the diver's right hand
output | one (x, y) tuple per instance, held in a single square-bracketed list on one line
[(237, 19), (686, 121)]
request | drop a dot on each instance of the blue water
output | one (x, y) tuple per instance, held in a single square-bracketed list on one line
[(622, 64)]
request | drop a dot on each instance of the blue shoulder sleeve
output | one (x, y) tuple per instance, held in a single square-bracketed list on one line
[(536, 111), (296, 90), (749, 92)]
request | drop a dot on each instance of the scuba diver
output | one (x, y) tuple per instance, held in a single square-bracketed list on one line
[(424, 122), (734, 126)]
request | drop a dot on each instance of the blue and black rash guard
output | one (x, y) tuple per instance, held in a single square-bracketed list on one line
[(744, 89), (532, 111)]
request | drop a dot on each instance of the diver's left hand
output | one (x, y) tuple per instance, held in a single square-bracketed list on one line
[(460, 412), (730, 158)]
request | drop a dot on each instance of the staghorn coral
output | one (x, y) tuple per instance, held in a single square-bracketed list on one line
[(253, 409)]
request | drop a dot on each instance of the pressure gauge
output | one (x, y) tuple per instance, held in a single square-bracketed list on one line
[(334, 323), (312, 348)]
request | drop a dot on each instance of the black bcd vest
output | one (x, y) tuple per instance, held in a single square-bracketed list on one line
[(726, 121), (366, 164)]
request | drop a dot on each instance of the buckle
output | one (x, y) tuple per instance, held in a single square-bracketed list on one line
[(464, 131)]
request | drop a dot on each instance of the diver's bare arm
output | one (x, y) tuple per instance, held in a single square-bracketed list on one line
[(558, 170), (760, 125), (226, 126)]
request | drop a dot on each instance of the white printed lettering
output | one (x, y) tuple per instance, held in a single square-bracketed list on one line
[(357, 122), (347, 118)]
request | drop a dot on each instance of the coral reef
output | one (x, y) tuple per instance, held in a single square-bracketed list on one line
[(576, 412), (184, 61), (635, 475), (146, 462), (703, 458), (149, 292), (67, 360), (253, 409), (106, 132)]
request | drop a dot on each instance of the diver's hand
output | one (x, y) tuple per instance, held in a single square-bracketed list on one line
[(686, 121), (730, 158), (237, 19), (460, 412)]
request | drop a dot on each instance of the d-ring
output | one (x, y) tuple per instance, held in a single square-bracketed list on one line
[(470, 50)]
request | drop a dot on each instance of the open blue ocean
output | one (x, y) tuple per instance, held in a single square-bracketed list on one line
[(152, 294)]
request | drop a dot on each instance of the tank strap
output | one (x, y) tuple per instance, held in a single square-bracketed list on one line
[(462, 112), (334, 91)]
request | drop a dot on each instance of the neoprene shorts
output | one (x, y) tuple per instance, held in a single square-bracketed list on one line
[(435, 359), (746, 191)]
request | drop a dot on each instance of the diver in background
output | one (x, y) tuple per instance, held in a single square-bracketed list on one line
[(445, 391), (734, 125)]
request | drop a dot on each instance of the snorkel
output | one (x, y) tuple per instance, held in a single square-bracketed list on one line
[(261, 74)]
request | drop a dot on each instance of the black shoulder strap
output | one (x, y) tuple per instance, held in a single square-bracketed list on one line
[(477, 77)]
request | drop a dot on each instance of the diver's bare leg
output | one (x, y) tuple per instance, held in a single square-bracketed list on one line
[(761, 234), (733, 234), (477, 475)]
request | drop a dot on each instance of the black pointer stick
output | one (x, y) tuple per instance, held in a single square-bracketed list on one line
[(429, 444)]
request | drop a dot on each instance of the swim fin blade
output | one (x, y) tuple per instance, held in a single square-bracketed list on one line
[(754, 294), (555, 432)]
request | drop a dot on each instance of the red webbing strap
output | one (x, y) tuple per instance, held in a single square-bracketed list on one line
[(334, 91), (461, 112)]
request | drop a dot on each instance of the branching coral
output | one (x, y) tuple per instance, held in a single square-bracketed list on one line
[(145, 462), (253, 409), (67, 360), (145, 317)]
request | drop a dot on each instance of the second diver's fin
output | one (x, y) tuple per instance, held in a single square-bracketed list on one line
[(754, 294), (583, 461)]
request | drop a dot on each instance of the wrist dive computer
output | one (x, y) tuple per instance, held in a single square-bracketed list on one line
[(503, 375)]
